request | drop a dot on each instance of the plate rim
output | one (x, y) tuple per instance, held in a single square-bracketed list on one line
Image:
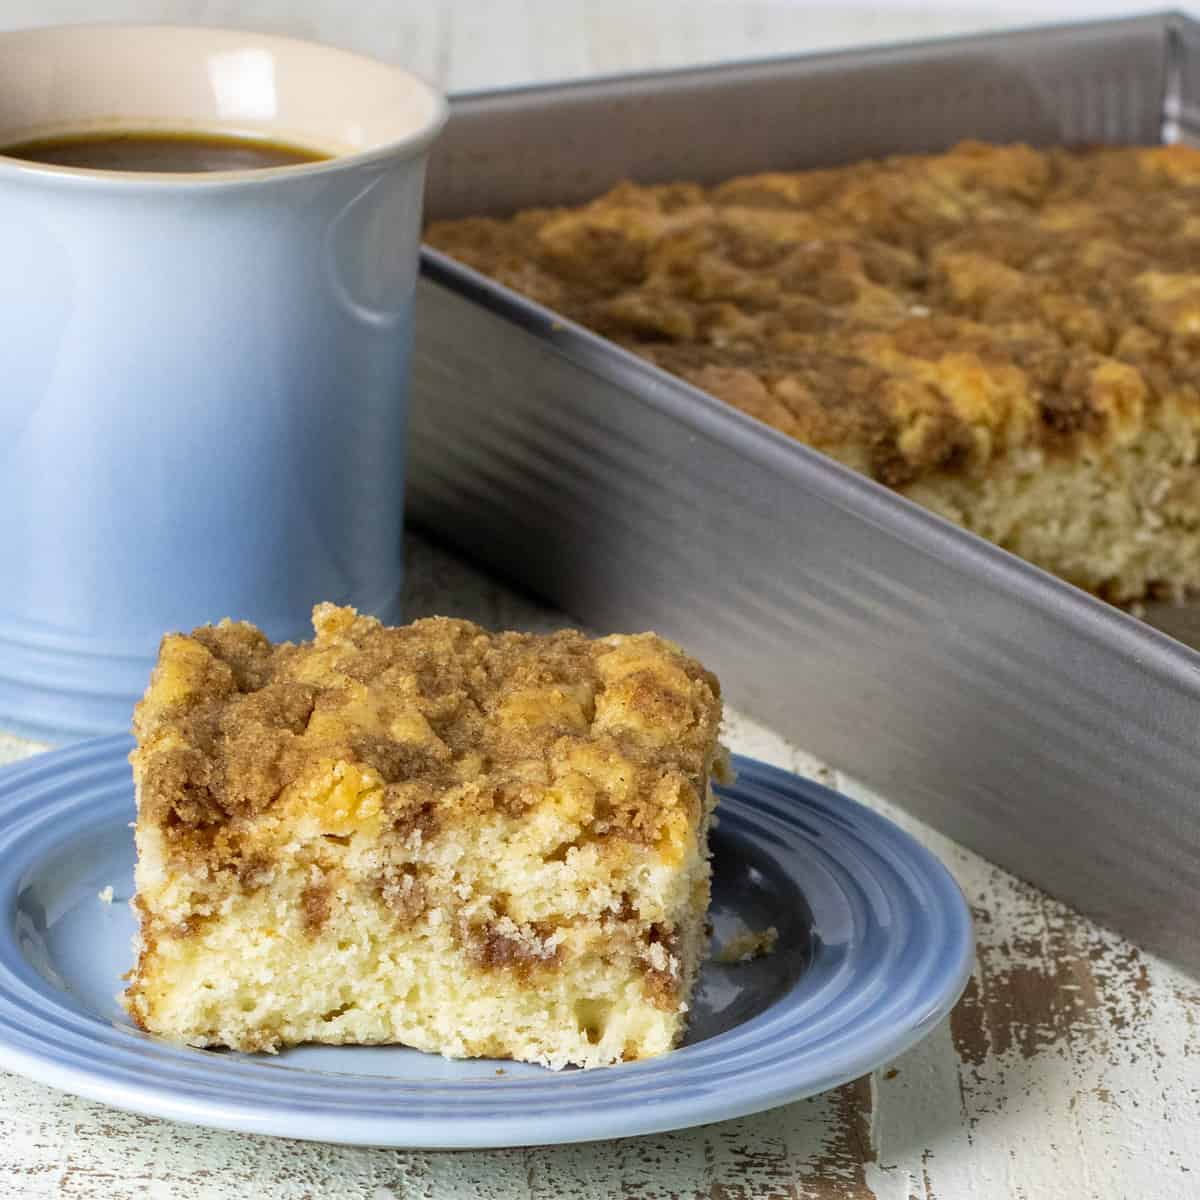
[(149, 1096)]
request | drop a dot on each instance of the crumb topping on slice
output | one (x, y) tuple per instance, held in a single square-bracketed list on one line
[(418, 726)]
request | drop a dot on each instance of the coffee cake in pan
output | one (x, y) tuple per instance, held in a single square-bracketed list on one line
[(469, 843), (1008, 336)]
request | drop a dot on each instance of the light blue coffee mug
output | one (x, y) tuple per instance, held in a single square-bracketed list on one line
[(202, 389)]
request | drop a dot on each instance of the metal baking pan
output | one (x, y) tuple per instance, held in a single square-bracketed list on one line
[(1053, 734)]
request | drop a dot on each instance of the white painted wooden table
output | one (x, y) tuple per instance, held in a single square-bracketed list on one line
[(1070, 1069), (1072, 1066)]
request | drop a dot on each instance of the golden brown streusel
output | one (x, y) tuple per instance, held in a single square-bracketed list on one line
[(449, 716), (1008, 335)]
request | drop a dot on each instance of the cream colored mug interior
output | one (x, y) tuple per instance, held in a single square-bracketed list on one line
[(84, 78)]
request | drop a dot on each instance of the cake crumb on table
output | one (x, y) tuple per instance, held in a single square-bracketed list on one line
[(105, 895)]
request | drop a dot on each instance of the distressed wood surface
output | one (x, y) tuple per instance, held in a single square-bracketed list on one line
[(1072, 1066)]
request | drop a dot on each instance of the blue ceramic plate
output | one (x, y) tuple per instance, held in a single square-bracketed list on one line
[(874, 948)]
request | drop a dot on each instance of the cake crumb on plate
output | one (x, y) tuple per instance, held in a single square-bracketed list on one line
[(748, 945)]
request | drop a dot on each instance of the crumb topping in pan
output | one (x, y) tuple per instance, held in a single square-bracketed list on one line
[(913, 316)]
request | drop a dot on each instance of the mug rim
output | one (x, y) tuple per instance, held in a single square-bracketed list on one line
[(411, 145)]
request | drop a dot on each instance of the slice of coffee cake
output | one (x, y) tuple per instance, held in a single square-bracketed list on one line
[(470, 843)]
